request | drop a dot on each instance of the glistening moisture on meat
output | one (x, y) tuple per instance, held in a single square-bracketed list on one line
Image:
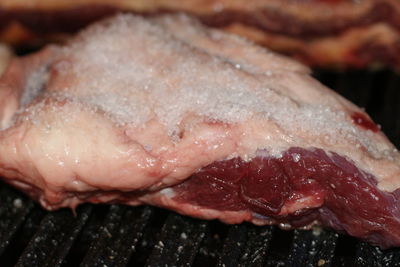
[(163, 111)]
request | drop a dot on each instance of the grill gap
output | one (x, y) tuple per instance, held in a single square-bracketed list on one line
[(279, 248), (117, 239), (150, 235), (88, 234), (312, 248), (13, 210), (54, 237), (178, 242), (257, 246), (210, 248)]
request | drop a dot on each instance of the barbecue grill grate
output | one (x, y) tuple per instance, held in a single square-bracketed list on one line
[(116, 235)]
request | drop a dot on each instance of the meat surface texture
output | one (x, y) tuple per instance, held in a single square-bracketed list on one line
[(166, 112), (344, 33)]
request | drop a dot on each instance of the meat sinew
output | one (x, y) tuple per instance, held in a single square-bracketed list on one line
[(165, 112)]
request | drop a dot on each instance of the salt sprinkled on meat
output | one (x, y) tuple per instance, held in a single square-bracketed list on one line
[(121, 83), (34, 85)]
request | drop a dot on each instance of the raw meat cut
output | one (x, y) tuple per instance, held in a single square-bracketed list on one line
[(166, 112), (321, 33)]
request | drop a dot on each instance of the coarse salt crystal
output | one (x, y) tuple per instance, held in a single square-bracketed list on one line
[(134, 70)]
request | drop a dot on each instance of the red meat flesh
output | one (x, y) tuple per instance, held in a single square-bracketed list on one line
[(363, 121), (337, 194)]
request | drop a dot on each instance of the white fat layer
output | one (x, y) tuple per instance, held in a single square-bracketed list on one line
[(136, 70)]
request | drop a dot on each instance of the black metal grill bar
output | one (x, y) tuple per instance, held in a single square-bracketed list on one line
[(13, 211), (55, 236), (312, 248), (256, 249), (246, 245), (119, 236), (391, 258), (233, 246), (367, 255), (178, 243)]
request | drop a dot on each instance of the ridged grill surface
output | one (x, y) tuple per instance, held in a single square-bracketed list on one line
[(116, 235)]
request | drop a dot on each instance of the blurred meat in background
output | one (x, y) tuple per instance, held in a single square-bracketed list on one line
[(338, 34)]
